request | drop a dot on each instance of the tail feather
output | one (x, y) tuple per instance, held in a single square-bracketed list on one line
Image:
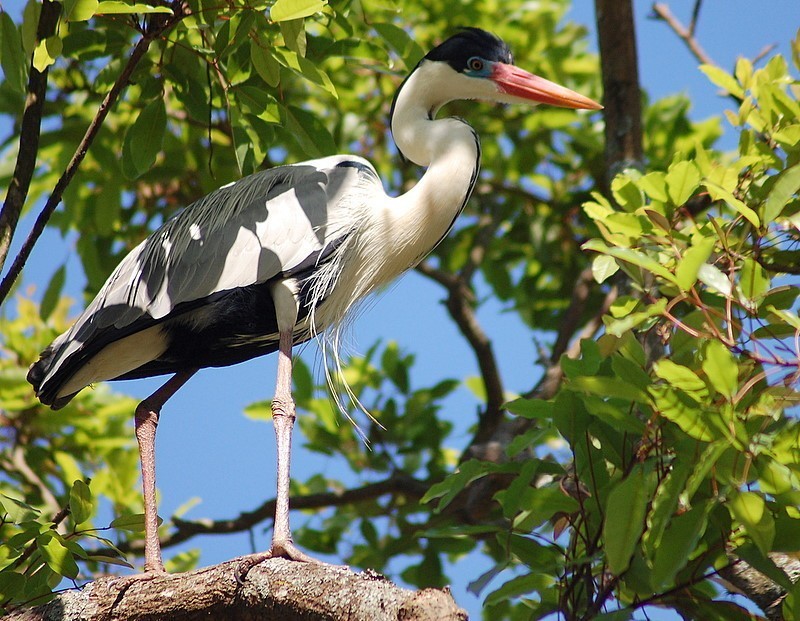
[(47, 391)]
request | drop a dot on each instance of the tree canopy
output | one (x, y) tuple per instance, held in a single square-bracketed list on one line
[(653, 454)]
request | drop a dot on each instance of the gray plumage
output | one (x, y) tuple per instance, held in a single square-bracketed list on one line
[(287, 222)]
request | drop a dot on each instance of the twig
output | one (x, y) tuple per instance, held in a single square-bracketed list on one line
[(695, 17), (157, 27), (662, 12), (30, 130)]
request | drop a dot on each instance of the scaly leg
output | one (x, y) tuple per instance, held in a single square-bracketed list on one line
[(283, 416), (146, 417)]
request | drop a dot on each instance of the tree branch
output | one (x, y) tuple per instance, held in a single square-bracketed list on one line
[(186, 529), (460, 306), (621, 95), (276, 589), (156, 26), (661, 11), (28, 136)]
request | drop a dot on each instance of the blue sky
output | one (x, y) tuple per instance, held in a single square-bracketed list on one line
[(208, 450)]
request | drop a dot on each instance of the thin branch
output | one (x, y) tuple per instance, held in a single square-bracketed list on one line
[(30, 130), (695, 17), (186, 529), (157, 25), (661, 11), (460, 306)]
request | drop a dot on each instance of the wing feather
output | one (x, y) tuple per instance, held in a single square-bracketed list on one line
[(246, 233)]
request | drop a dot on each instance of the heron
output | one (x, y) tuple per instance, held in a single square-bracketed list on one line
[(278, 257)]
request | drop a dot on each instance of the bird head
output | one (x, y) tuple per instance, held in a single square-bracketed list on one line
[(472, 64), (476, 64)]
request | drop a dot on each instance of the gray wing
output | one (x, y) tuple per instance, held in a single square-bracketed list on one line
[(245, 233)]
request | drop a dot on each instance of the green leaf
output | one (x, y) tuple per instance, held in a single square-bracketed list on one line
[(294, 36), (655, 185), (12, 585), (681, 377), (683, 178), (721, 369), (265, 64), (477, 387), (715, 278), (521, 585), (133, 522), (678, 545), (723, 79), (52, 293), (56, 554), (259, 410), (80, 10), (12, 59), (395, 366), (401, 43), (284, 10), (144, 138), (113, 7), (17, 510), (531, 408), (30, 23), (632, 256), (109, 560), (47, 52), (608, 387), (603, 267), (750, 510), (754, 281), (626, 192), (446, 490), (718, 193), (624, 519), (81, 504), (682, 411), (689, 264), (665, 504), (786, 187), (309, 132)]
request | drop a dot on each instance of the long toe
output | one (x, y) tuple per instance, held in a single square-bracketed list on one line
[(287, 549)]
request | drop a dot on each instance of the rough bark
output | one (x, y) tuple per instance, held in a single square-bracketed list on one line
[(621, 92), (275, 589)]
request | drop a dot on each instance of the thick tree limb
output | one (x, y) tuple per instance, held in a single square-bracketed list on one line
[(28, 136), (621, 93), (275, 589)]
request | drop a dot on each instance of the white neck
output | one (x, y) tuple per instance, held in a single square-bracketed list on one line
[(449, 148)]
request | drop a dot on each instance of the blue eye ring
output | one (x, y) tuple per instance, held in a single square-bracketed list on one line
[(476, 64)]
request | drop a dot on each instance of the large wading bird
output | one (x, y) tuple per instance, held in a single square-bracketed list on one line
[(275, 258)]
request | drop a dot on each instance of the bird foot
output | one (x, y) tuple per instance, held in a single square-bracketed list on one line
[(280, 549)]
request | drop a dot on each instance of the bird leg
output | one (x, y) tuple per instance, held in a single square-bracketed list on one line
[(146, 417), (283, 417)]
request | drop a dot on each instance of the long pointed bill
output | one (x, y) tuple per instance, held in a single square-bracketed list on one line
[(517, 82)]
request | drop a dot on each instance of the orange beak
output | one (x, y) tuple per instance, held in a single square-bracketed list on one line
[(517, 82)]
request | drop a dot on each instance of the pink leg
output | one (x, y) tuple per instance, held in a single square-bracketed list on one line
[(146, 417), (283, 416)]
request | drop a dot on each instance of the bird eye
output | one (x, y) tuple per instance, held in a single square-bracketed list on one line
[(475, 64)]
